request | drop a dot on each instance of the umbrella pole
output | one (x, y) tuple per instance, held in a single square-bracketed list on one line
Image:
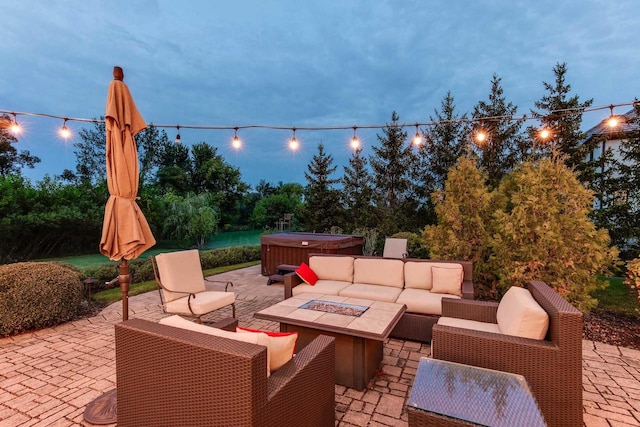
[(124, 278)]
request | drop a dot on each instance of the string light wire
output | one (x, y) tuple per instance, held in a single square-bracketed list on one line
[(557, 114)]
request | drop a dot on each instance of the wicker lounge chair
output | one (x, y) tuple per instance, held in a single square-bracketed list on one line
[(181, 285), (552, 367), (168, 376)]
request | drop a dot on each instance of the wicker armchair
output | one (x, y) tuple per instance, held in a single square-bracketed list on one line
[(175, 377), (552, 367)]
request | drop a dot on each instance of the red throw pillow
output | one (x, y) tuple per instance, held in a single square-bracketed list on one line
[(307, 274)]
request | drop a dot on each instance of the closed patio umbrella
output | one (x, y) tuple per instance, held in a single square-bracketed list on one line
[(125, 231)]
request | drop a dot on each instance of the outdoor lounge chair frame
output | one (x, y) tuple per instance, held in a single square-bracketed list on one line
[(190, 295), (171, 376), (552, 367)]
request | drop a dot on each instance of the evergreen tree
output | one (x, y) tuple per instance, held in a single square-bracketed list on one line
[(322, 201), (561, 114), (501, 150), (392, 163), (11, 160), (357, 193)]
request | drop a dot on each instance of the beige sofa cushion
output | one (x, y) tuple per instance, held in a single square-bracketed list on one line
[(447, 280), (371, 292), (325, 287), (422, 301), (519, 314), (418, 275), (379, 271), (339, 268), (258, 338)]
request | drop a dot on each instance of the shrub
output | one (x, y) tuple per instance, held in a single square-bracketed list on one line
[(633, 276), (36, 295), (415, 248)]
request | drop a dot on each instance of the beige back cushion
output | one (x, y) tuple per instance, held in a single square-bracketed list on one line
[(379, 271), (339, 268), (418, 274), (519, 314), (257, 338), (180, 271)]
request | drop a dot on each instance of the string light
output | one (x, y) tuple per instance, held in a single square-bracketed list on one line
[(293, 143), (480, 136), (236, 143), (64, 130), (613, 120), (15, 126), (417, 140), (355, 143), (544, 134), (178, 141)]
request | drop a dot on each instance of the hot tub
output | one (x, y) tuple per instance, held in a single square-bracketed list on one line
[(294, 248)]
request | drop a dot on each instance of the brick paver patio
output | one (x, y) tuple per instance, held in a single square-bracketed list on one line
[(49, 376)]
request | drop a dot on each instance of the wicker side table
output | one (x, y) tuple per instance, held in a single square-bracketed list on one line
[(451, 394)]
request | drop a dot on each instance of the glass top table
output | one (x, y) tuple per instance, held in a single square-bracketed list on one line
[(477, 396)]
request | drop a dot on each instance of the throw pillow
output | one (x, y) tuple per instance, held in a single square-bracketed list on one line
[(447, 280), (306, 273), (281, 345)]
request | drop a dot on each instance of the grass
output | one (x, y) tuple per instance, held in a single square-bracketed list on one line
[(617, 298), (113, 295)]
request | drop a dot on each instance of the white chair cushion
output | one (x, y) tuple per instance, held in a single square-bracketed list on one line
[(371, 292), (423, 301), (203, 303), (447, 280), (180, 271), (379, 271), (325, 287), (281, 346), (519, 314), (259, 339), (338, 268)]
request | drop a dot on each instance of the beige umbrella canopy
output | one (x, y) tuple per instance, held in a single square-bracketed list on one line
[(125, 231)]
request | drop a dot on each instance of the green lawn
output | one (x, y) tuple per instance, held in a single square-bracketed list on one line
[(617, 298), (220, 240)]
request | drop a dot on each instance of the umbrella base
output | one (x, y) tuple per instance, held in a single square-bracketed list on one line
[(103, 410)]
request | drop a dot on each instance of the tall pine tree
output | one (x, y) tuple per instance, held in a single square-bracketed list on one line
[(357, 193), (392, 163), (501, 150), (322, 201)]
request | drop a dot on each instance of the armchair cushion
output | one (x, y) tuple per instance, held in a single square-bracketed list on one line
[(447, 280), (469, 324), (179, 322), (307, 274), (520, 315), (281, 345), (201, 303)]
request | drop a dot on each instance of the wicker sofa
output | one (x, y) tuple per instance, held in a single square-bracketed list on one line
[(552, 366), (407, 281), (171, 376)]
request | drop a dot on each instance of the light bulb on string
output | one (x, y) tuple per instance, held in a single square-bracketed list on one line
[(480, 136), (417, 140), (65, 133), (355, 142), (544, 133), (178, 141), (236, 143), (15, 126), (293, 142), (613, 120)]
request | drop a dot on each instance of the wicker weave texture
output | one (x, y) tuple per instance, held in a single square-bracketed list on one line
[(173, 377), (552, 367)]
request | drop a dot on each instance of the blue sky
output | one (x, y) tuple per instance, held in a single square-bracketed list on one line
[(301, 63)]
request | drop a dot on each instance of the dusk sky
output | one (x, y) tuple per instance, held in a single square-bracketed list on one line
[(301, 64)]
